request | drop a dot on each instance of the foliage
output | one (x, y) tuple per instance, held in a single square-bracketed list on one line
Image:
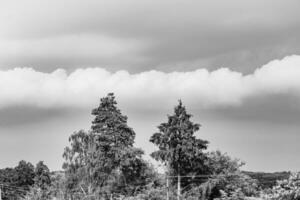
[(57, 187), (268, 180), (102, 163), (153, 192), (104, 160), (135, 174), (178, 147), (22, 178), (17, 181), (221, 163), (42, 182), (42, 176), (113, 138), (36, 193), (24, 175), (288, 189), (76, 162), (7, 179), (226, 180), (150, 194)]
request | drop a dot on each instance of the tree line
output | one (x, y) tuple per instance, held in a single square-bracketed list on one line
[(16, 183), (103, 163)]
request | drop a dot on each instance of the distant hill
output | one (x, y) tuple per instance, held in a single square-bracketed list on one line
[(267, 180)]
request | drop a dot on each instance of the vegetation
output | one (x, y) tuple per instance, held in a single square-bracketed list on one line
[(102, 163), (268, 180), (103, 160), (16, 182), (288, 189), (178, 148)]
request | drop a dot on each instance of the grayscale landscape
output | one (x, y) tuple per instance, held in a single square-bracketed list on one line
[(149, 100)]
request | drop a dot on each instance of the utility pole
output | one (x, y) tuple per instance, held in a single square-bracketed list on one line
[(178, 182), (178, 187), (0, 193), (167, 187)]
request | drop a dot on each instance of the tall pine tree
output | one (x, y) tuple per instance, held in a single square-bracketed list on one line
[(112, 139), (104, 159), (178, 147)]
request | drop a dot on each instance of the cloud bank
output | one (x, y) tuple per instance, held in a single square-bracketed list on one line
[(148, 90), (139, 35)]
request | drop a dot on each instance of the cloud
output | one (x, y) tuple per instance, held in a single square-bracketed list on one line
[(74, 33), (148, 90), (71, 50)]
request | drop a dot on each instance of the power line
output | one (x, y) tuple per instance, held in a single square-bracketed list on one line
[(13, 187), (204, 176)]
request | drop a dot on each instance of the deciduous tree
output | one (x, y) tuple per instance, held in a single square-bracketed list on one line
[(24, 173), (42, 177)]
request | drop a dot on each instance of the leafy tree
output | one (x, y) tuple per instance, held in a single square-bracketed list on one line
[(36, 193), (178, 147), (288, 189), (221, 163), (268, 180), (226, 181), (76, 163), (57, 188), (136, 174), (24, 174), (17, 181), (42, 176), (7, 179), (104, 159), (155, 190), (42, 182)]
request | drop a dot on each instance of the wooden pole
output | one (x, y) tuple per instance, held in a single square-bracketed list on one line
[(0, 193), (167, 187), (178, 188)]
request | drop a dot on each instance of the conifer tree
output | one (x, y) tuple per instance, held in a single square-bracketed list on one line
[(112, 138), (178, 147), (97, 160)]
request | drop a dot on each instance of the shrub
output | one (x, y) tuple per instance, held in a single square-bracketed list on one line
[(288, 189)]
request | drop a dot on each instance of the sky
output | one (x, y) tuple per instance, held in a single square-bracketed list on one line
[(234, 64)]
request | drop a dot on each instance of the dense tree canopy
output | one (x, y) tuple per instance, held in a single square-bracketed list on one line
[(42, 177), (178, 147), (24, 174), (113, 139), (76, 163), (104, 159), (18, 181), (103, 163)]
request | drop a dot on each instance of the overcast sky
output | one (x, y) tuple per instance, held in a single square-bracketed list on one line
[(235, 64)]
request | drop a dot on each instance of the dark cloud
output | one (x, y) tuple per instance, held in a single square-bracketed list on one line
[(141, 35), (15, 116), (270, 109), (12, 117)]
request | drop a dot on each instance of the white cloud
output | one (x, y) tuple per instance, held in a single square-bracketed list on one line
[(149, 90)]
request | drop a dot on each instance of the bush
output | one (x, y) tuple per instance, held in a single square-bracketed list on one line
[(288, 189)]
